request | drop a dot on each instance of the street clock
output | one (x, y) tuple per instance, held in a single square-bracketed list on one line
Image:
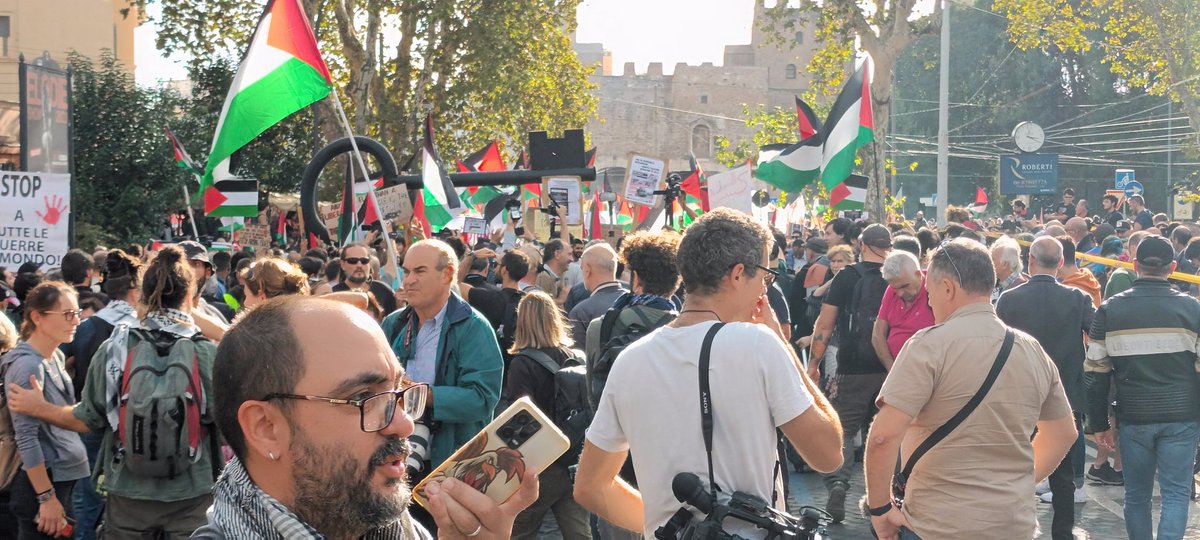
[(1029, 137)]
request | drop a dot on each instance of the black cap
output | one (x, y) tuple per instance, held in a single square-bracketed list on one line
[(876, 236), (1124, 225), (195, 251), (1155, 251), (818, 245)]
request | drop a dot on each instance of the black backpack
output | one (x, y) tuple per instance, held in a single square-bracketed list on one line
[(862, 312), (507, 331), (571, 411), (619, 328)]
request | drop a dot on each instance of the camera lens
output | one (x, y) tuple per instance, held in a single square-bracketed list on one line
[(530, 429), (505, 432)]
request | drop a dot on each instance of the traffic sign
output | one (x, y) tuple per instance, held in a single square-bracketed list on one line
[(1124, 176), (1133, 187)]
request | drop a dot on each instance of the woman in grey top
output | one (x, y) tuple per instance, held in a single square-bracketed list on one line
[(52, 458)]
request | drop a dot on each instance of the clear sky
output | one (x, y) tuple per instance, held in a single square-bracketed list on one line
[(639, 31)]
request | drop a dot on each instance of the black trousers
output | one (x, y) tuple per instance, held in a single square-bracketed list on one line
[(1062, 485), (22, 501)]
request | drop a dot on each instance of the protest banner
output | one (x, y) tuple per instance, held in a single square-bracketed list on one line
[(34, 217), (565, 191)]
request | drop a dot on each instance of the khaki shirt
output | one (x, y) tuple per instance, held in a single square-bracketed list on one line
[(978, 482)]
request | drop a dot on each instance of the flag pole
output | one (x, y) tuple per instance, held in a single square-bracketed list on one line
[(390, 264), (188, 204)]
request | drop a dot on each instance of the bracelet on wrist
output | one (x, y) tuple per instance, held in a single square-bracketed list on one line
[(880, 510)]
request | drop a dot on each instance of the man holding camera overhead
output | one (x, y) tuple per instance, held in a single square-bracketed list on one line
[(651, 406)]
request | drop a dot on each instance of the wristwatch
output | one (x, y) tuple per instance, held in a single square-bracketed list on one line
[(880, 511), (45, 495)]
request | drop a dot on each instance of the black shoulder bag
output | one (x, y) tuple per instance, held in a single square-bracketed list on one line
[(900, 479)]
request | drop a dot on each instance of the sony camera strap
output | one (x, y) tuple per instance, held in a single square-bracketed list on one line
[(706, 417)]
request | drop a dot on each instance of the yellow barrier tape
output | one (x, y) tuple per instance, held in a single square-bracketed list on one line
[(1178, 276)]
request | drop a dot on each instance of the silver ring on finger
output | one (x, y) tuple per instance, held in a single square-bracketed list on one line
[(476, 531)]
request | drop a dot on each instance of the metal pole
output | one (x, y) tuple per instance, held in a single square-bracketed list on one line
[(191, 217), (943, 156)]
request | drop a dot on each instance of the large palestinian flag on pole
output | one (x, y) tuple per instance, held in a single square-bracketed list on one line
[(441, 203), (848, 128), (281, 73)]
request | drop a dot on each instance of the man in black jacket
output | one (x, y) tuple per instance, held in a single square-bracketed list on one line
[(1057, 316), (1144, 340)]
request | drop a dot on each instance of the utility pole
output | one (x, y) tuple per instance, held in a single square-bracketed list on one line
[(943, 157)]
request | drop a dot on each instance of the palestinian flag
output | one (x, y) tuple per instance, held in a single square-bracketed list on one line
[(281, 73), (981, 202), (281, 229), (494, 211), (696, 185), (594, 224), (487, 159), (849, 195), (806, 120), (589, 157), (182, 159), (625, 214), (440, 201), (794, 167), (848, 128), (232, 198), (768, 152)]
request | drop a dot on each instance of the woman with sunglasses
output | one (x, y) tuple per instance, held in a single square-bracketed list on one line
[(52, 458)]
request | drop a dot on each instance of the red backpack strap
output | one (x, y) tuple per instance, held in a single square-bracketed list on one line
[(193, 410), (123, 395)]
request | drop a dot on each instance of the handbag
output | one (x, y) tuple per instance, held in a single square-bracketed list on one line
[(900, 479)]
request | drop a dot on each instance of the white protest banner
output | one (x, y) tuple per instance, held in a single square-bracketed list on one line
[(34, 217), (564, 190), (394, 203), (732, 189), (257, 236), (642, 179)]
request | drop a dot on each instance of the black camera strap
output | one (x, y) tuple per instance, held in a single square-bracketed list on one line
[(706, 417), (945, 429)]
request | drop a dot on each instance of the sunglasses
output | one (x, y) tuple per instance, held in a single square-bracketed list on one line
[(357, 260)]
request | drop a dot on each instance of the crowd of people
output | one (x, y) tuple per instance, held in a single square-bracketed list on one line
[(185, 392)]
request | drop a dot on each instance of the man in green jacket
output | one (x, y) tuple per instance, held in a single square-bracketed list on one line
[(442, 341)]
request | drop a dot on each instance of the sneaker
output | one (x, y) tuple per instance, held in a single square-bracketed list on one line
[(837, 502), (1043, 487), (1080, 496), (1105, 475)]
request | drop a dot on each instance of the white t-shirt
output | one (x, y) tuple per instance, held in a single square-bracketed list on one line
[(651, 407)]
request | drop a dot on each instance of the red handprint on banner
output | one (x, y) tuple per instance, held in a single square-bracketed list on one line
[(54, 210)]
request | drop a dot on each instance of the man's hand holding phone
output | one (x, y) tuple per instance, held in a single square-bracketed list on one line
[(463, 512)]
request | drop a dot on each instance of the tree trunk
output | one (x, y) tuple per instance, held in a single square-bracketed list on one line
[(875, 161)]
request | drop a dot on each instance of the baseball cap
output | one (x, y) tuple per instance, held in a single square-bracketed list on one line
[(195, 251), (876, 236), (1155, 251), (1124, 225), (818, 245)]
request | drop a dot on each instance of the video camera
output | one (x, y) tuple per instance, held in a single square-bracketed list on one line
[(674, 187), (688, 489)]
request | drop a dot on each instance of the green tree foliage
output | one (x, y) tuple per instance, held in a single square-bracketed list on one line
[(488, 70), (125, 178), (1150, 45)]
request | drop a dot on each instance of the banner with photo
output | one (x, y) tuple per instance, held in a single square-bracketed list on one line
[(45, 119)]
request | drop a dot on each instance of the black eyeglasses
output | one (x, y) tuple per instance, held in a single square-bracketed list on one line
[(357, 260), (68, 314), (376, 412), (771, 274), (942, 250)]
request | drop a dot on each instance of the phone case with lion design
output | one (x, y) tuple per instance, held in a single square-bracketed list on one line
[(494, 461)]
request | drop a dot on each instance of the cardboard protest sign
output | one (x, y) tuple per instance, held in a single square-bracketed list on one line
[(394, 203), (34, 216), (257, 236)]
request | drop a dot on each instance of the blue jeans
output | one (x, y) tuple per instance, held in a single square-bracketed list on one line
[(906, 534), (1170, 451), (87, 503)]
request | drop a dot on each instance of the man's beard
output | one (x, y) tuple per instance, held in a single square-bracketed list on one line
[(356, 279), (336, 497)]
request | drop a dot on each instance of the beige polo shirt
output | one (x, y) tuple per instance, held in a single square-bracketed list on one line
[(978, 482)]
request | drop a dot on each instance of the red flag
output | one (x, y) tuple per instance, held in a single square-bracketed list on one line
[(980, 196), (419, 211), (594, 228)]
